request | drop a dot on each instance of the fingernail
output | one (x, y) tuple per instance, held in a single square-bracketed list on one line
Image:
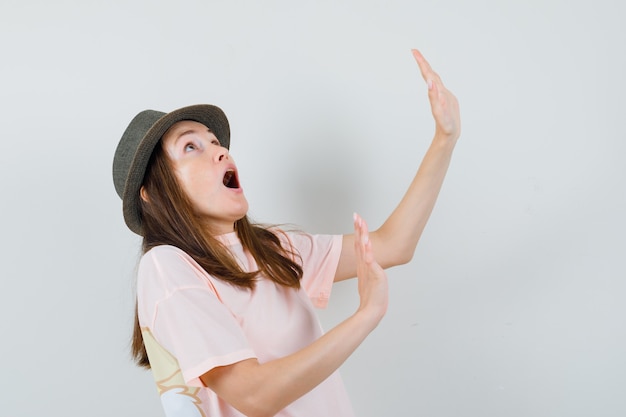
[(430, 84)]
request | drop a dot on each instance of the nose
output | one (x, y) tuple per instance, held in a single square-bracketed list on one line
[(221, 154)]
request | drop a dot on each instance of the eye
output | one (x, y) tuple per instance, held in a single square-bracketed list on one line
[(216, 142), (190, 147)]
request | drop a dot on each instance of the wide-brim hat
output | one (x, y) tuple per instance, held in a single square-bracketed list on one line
[(139, 140)]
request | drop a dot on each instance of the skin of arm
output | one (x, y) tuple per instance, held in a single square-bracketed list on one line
[(395, 241), (260, 390)]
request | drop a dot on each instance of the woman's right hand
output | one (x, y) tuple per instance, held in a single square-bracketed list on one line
[(373, 287)]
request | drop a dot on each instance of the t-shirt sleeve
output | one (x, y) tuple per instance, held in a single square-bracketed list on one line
[(178, 303), (320, 257)]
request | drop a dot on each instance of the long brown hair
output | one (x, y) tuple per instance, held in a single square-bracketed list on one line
[(168, 218)]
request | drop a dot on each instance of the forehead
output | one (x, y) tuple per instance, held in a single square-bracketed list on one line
[(184, 126)]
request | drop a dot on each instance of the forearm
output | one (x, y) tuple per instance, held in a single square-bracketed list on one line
[(395, 241), (264, 389)]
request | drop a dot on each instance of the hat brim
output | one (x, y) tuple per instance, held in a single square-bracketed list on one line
[(211, 116)]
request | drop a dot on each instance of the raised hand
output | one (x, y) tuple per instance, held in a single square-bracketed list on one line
[(444, 105), (373, 288)]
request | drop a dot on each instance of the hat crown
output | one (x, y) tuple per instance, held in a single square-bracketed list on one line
[(127, 147)]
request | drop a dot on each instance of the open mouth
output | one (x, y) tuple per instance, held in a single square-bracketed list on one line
[(230, 179)]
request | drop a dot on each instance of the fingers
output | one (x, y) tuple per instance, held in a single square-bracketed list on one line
[(424, 66), (362, 243), (430, 76), (372, 280), (444, 104)]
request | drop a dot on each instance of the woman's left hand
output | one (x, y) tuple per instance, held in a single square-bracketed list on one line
[(444, 105)]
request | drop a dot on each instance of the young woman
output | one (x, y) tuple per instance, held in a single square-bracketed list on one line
[(225, 315)]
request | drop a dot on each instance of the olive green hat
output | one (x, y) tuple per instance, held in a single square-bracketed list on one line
[(138, 141)]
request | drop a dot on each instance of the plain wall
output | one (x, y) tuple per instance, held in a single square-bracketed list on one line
[(514, 304)]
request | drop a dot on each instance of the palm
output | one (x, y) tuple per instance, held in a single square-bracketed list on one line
[(444, 105)]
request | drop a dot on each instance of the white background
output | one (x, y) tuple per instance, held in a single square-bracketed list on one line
[(515, 302)]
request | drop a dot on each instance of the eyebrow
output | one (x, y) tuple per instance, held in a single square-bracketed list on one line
[(187, 132)]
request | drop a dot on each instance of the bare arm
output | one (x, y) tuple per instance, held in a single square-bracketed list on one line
[(395, 241), (258, 389)]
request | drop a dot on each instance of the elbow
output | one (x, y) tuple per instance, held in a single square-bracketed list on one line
[(392, 250), (401, 255), (253, 406), (405, 257), (257, 413), (398, 258), (245, 387)]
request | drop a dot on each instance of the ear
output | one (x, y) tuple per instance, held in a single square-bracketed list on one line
[(144, 194)]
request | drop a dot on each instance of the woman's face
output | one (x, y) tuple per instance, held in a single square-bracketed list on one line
[(207, 174)]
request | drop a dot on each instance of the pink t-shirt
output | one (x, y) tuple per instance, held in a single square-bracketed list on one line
[(192, 322)]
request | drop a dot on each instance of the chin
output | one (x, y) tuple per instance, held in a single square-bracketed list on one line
[(240, 215), (244, 210)]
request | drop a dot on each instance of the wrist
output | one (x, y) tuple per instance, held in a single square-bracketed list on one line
[(445, 139), (369, 317)]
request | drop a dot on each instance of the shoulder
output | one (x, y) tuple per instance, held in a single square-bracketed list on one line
[(306, 244), (163, 252), (170, 267), (165, 256)]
